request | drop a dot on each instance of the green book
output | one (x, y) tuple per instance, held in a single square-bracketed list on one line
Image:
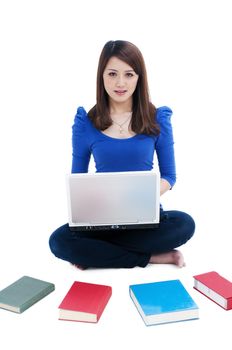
[(23, 293)]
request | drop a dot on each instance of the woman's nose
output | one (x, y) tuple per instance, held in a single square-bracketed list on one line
[(120, 81)]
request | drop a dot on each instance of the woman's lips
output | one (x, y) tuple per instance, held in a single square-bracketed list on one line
[(120, 92)]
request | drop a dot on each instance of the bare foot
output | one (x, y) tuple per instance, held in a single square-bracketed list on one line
[(79, 266), (173, 257)]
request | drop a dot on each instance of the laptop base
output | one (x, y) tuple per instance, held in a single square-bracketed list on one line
[(113, 227)]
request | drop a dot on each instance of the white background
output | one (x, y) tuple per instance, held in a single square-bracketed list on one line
[(49, 55)]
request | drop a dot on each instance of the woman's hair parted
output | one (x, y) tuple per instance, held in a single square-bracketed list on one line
[(144, 112)]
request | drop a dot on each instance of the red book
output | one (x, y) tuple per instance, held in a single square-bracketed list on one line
[(84, 302), (215, 287)]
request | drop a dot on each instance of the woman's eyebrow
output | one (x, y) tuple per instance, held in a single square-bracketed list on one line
[(115, 70)]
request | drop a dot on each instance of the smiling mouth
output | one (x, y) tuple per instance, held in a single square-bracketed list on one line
[(120, 92)]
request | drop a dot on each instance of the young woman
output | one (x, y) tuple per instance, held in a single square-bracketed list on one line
[(122, 132)]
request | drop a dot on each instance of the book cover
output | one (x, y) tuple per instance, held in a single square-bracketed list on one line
[(23, 293), (84, 302), (215, 287), (163, 302)]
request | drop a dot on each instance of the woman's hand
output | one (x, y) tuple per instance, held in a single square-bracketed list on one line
[(164, 186)]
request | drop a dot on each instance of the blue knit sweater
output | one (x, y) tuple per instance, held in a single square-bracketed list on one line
[(132, 154)]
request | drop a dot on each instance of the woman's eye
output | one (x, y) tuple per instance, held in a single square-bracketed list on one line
[(112, 74), (129, 75)]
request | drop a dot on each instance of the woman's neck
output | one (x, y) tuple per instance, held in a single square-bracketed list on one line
[(120, 108)]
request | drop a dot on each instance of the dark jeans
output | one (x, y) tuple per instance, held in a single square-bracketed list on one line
[(122, 248)]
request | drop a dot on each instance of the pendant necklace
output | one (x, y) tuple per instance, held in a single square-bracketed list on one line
[(121, 130)]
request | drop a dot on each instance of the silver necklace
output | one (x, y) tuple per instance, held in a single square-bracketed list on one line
[(121, 130)]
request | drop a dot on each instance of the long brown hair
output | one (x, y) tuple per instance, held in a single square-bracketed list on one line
[(144, 112)]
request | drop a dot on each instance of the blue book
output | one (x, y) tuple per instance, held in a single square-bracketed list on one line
[(163, 302)]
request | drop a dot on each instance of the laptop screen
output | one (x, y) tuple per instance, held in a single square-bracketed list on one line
[(113, 199)]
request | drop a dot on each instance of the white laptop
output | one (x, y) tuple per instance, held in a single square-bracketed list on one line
[(117, 200)]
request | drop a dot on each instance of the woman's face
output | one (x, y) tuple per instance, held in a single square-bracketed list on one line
[(120, 80)]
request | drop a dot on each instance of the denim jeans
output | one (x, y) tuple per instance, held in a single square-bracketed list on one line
[(122, 248)]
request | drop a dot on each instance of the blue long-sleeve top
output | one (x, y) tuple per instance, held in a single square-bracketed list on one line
[(131, 154)]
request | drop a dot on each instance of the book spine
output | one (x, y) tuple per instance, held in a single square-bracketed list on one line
[(229, 304), (104, 303)]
